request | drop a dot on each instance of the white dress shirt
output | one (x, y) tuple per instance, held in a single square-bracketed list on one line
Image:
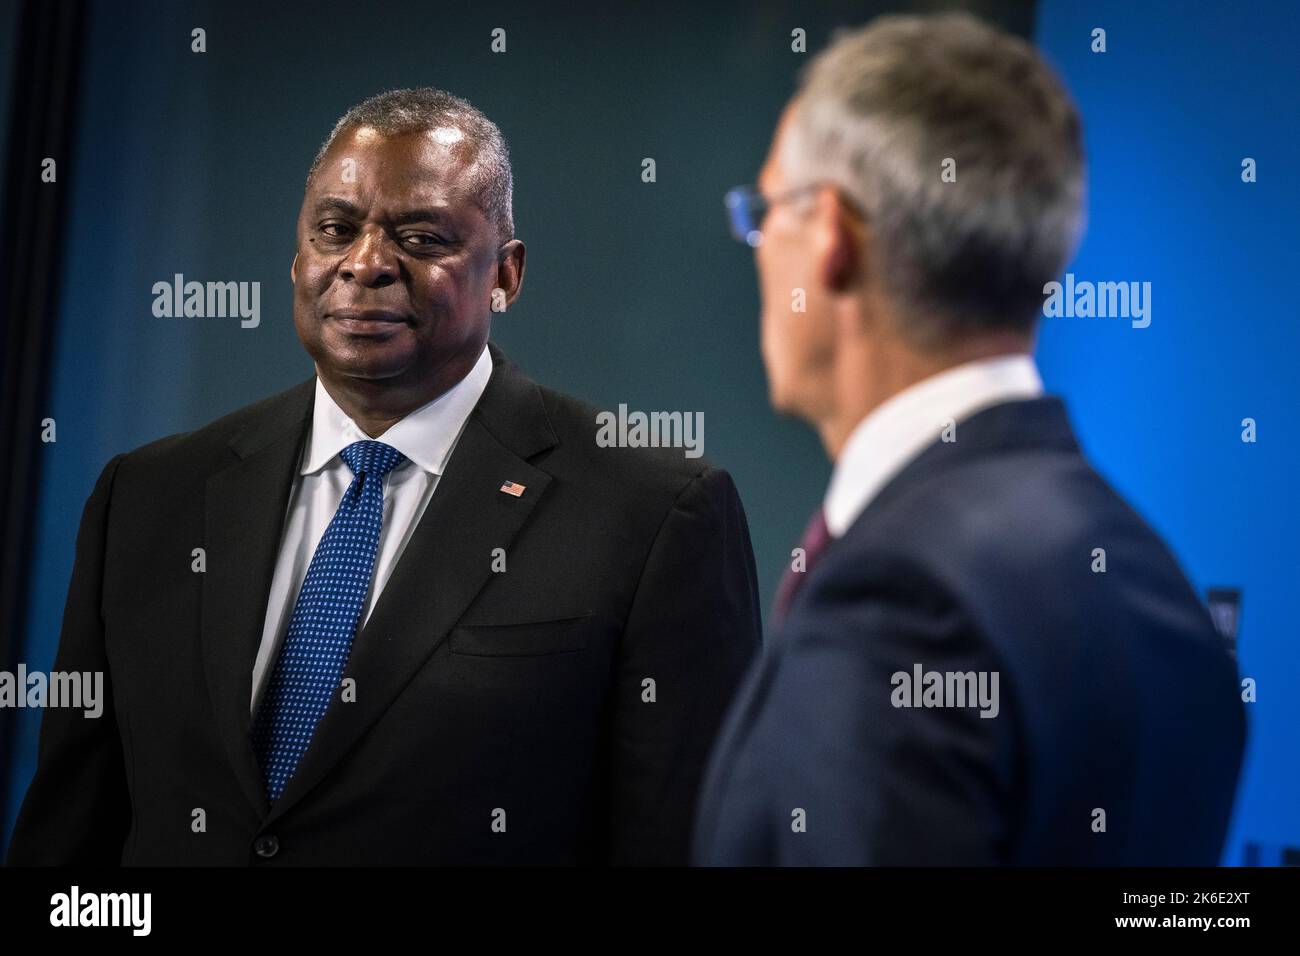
[(898, 430), (426, 436)]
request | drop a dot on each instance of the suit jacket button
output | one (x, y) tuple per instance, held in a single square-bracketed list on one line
[(266, 847)]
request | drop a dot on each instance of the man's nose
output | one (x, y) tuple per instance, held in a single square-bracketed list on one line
[(371, 260)]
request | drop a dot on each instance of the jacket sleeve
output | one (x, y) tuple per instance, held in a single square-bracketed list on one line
[(78, 809), (693, 630), (840, 765)]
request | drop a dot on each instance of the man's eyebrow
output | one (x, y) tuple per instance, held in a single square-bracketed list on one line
[(425, 215), (335, 204), (338, 204)]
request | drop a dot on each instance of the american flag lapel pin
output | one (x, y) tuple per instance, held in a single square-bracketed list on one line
[(513, 488)]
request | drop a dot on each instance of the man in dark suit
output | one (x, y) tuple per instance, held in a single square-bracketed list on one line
[(983, 655), (409, 611)]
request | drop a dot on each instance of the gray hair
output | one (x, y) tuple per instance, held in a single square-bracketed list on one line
[(879, 111), (419, 110)]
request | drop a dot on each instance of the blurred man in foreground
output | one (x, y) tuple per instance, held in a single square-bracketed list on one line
[(982, 654)]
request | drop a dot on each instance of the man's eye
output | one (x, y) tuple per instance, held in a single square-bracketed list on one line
[(423, 239), (333, 225)]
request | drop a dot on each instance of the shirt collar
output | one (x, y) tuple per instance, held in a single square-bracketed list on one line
[(425, 436), (897, 430)]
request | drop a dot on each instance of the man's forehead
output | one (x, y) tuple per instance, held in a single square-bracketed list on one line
[(772, 174), (769, 176), (446, 137), (423, 169), (436, 155), (412, 206)]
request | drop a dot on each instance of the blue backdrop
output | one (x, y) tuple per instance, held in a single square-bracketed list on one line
[(1182, 95)]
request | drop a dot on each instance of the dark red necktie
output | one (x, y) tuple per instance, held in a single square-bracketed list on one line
[(815, 539)]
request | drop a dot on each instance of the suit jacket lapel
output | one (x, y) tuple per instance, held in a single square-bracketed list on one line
[(445, 564), (244, 515)]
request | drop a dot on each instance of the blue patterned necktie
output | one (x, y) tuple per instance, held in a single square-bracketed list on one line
[(310, 665)]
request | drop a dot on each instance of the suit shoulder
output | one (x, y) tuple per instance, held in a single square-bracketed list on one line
[(1039, 501), (999, 526), (200, 445), (584, 444)]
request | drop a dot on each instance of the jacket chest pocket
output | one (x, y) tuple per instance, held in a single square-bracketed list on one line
[(531, 639)]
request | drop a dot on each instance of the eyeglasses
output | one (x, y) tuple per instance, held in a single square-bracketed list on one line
[(746, 207)]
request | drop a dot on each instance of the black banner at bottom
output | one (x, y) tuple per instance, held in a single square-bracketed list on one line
[(340, 905)]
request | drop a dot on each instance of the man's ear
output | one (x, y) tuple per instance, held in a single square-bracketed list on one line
[(844, 244), (293, 269), (510, 269)]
